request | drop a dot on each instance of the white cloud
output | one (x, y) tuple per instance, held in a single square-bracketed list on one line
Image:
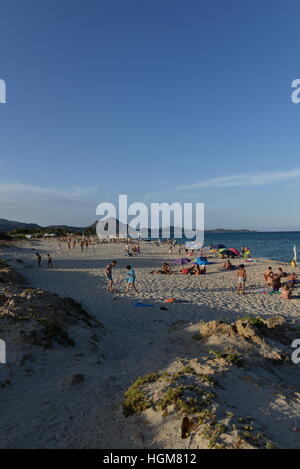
[(246, 179), (45, 206), (71, 193)]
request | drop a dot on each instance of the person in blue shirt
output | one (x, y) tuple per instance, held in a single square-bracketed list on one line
[(130, 279)]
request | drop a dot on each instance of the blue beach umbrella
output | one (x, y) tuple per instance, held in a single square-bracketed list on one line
[(201, 261)]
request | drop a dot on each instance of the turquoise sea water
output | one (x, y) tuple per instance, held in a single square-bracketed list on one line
[(271, 245)]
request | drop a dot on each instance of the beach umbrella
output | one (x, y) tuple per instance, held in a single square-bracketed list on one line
[(236, 251), (201, 261), (182, 261), (222, 250), (218, 246), (229, 253)]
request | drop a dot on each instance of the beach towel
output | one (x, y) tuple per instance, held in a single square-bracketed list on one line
[(143, 305)]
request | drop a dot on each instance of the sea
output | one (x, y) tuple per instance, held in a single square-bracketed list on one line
[(270, 245)]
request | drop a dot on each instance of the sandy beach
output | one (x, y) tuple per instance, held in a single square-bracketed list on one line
[(41, 410)]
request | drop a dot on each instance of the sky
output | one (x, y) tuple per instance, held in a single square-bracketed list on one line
[(162, 100)]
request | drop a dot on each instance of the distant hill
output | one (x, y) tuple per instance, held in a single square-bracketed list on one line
[(222, 230), (7, 225)]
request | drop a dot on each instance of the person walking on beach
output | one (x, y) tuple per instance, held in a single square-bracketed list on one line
[(39, 259), (242, 277), (49, 261), (130, 279), (108, 274)]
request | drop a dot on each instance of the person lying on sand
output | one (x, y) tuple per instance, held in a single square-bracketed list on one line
[(165, 269), (201, 270), (227, 265), (281, 273), (194, 270), (286, 292), (268, 275), (108, 274), (291, 279), (187, 270), (242, 277)]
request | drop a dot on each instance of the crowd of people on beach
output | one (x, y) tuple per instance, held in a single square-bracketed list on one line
[(132, 249), (278, 282)]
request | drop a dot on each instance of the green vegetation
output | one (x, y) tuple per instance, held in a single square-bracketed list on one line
[(85, 316), (254, 321), (50, 332), (135, 398), (233, 358), (270, 445), (197, 401), (188, 399)]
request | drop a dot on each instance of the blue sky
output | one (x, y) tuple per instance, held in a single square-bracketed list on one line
[(163, 100)]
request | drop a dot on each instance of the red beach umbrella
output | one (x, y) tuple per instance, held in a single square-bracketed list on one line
[(236, 251)]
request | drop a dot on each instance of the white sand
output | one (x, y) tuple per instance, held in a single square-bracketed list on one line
[(136, 341)]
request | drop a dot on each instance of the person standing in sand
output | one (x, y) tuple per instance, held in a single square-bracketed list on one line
[(108, 274), (49, 261), (39, 259), (130, 279), (242, 277)]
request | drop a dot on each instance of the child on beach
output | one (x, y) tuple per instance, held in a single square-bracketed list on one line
[(242, 277), (130, 279), (108, 274)]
